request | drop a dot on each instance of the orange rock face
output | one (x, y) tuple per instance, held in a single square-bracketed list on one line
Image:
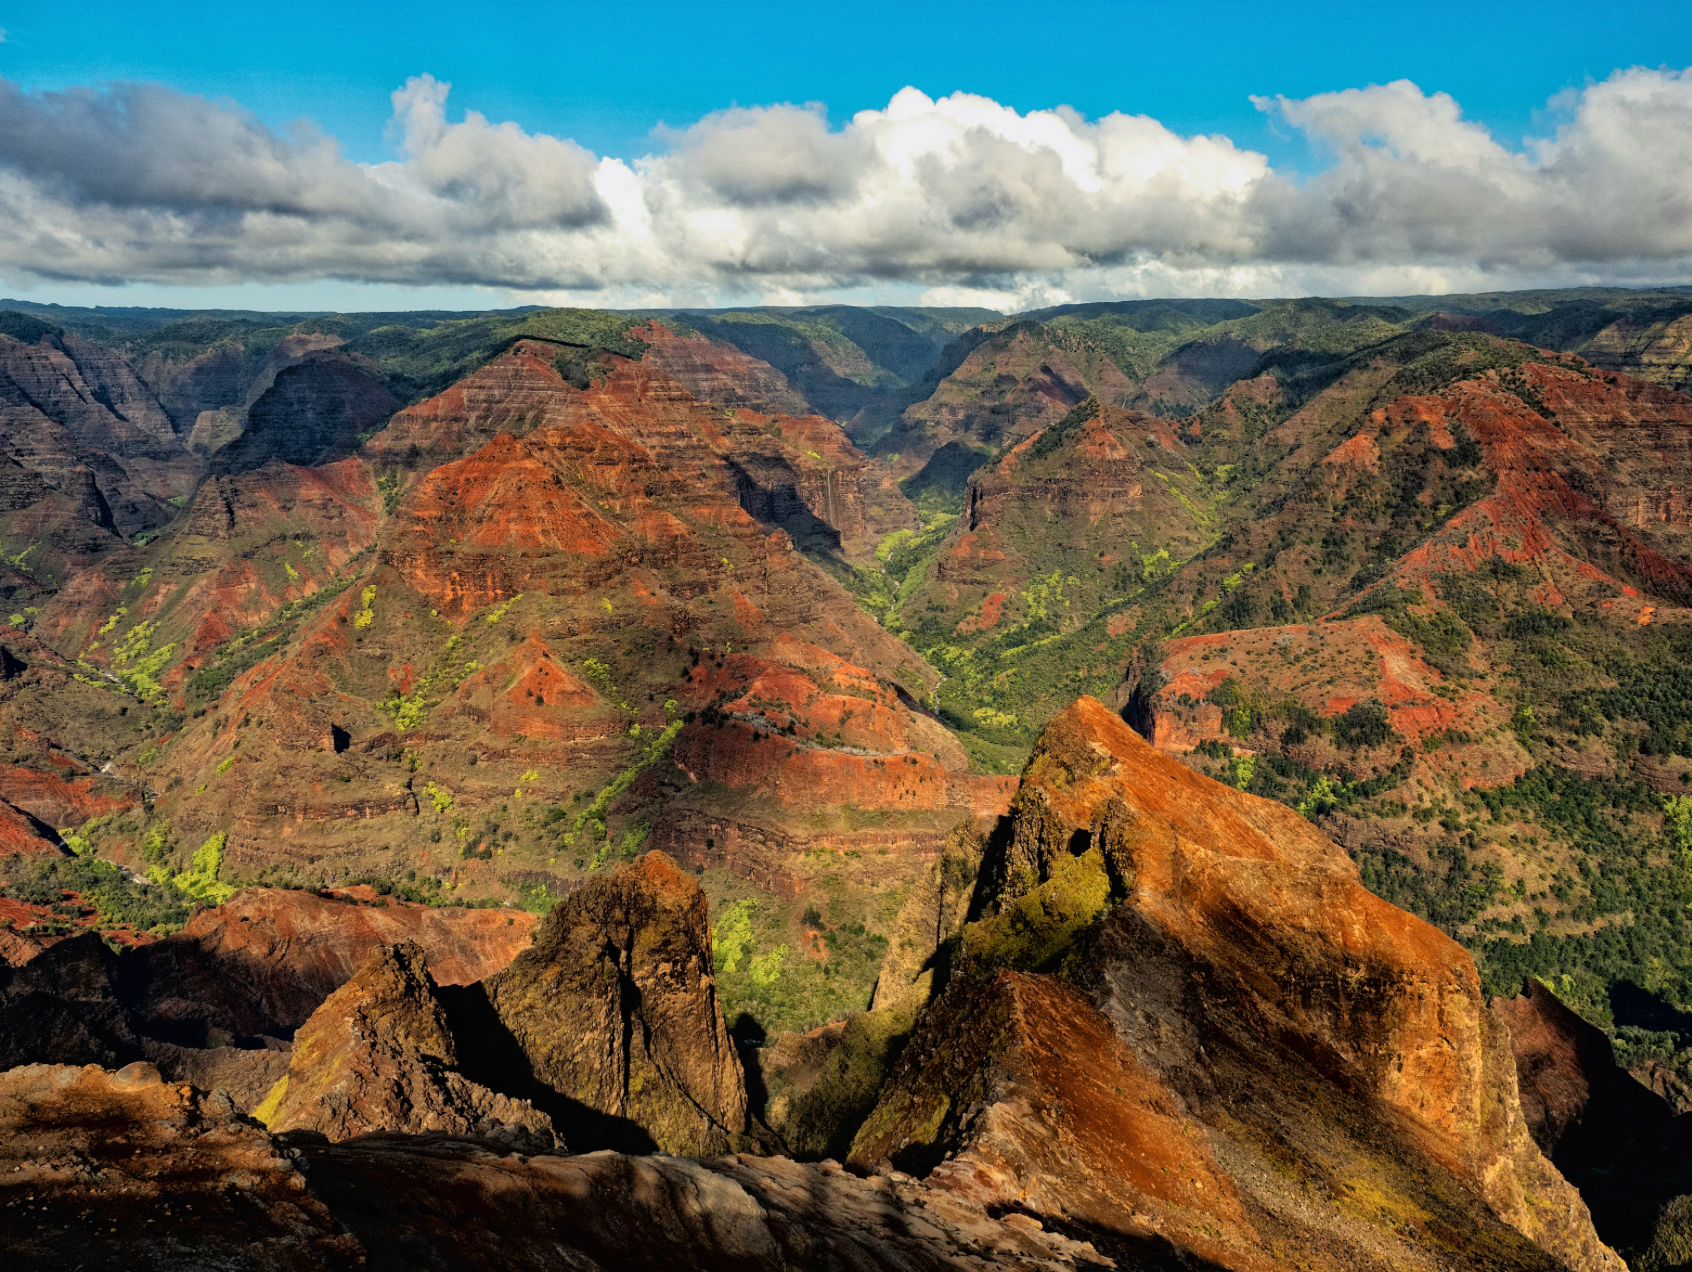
[(22, 834), (57, 799), (530, 694), (561, 490), (1599, 456), (251, 544), (1248, 990)]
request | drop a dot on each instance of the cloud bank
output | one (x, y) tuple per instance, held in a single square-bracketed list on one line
[(961, 196)]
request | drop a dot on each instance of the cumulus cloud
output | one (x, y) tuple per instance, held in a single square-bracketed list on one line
[(774, 155), (494, 177), (961, 195)]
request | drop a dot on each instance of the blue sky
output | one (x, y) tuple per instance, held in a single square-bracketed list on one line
[(607, 77)]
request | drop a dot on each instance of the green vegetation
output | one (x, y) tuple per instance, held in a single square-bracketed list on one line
[(1034, 931), (578, 368), (418, 361), (764, 982), (1449, 893), (593, 816), (116, 899), (202, 880), (822, 1121), (233, 658), (599, 675), (1065, 429), (388, 485), (419, 889), (732, 940), (499, 611), (1609, 927), (409, 711)]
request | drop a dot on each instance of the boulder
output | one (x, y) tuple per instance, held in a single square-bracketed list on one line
[(379, 1055)]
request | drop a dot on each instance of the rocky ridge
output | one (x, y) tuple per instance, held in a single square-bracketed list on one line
[(1480, 541), (1174, 1027), (1250, 1016)]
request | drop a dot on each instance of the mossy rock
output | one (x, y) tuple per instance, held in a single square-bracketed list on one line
[(1034, 931)]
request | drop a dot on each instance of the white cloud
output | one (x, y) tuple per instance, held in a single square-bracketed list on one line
[(950, 198)]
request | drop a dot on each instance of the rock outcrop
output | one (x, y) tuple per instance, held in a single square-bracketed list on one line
[(614, 1009), (60, 1005), (1613, 1137), (246, 1073), (378, 1055), (1248, 1053), (103, 1169), (1575, 1098), (215, 1004)]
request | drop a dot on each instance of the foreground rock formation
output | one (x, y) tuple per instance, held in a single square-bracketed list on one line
[(61, 1005), (263, 962), (608, 1022), (216, 1004), (614, 1008), (102, 1169), (1247, 1054), (378, 1055), (598, 589)]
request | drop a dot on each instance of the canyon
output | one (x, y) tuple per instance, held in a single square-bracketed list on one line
[(1166, 784)]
